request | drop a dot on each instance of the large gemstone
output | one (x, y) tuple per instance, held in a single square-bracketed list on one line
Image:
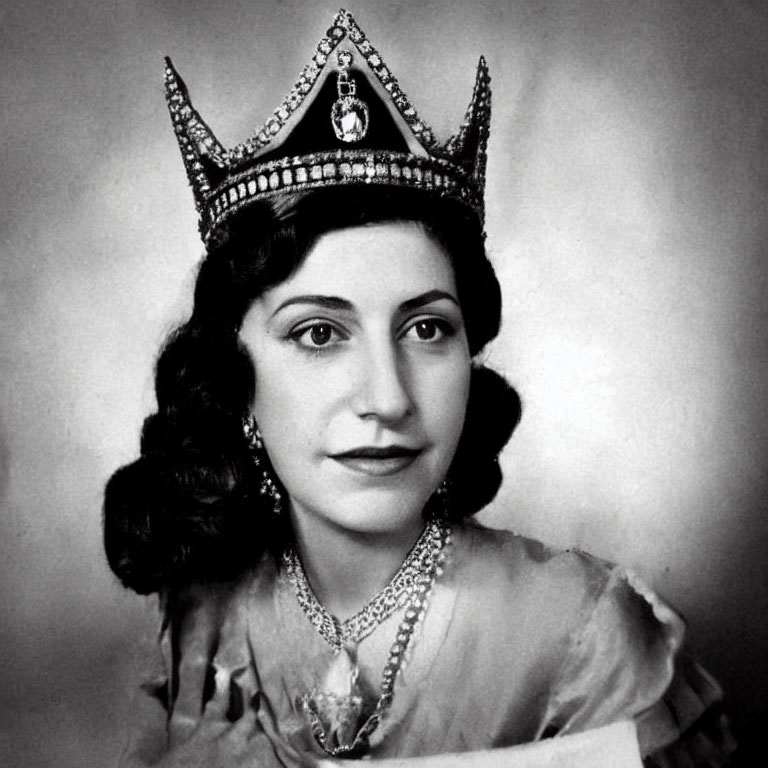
[(349, 117)]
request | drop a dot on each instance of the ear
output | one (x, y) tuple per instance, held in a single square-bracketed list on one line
[(205, 160)]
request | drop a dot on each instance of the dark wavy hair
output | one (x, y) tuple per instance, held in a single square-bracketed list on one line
[(189, 508)]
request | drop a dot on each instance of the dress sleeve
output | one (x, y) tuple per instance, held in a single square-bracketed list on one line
[(201, 634), (147, 736), (627, 661), (689, 721)]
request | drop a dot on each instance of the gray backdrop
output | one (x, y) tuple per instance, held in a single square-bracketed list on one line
[(627, 192)]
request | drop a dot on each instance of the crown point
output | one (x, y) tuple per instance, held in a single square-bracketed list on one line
[(342, 19), (482, 71)]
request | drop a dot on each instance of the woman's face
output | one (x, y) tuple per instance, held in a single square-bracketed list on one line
[(362, 377)]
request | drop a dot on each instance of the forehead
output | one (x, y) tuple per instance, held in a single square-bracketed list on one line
[(396, 258)]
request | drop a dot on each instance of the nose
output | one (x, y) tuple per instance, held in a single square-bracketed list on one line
[(381, 386)]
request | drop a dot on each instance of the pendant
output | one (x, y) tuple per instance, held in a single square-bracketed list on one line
[(349, 117), (336, 707)]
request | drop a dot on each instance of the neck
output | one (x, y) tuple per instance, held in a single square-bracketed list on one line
[(346, 568)]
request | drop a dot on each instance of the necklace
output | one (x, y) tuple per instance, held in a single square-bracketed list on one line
[(423, 565), (351, 631)]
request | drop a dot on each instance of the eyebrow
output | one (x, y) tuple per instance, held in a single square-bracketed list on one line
[(337, 303), (328, 302), (427, 298)]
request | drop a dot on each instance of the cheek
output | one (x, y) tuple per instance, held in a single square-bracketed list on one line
[(292, 404), (443, 401), (279, 402), (459, 395)]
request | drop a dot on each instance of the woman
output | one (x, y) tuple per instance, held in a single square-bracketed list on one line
[(321, 439)]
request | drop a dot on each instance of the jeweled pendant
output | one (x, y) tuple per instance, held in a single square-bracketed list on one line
[(349, 117)]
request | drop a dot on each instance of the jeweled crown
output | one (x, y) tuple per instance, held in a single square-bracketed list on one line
[(345, 122)]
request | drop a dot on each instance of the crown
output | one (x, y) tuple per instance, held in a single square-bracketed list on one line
[(345, 122)]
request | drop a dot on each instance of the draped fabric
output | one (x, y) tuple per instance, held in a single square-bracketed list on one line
[(520, 644)]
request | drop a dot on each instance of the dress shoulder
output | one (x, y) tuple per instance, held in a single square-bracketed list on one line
[(623, 651), (514, 577)]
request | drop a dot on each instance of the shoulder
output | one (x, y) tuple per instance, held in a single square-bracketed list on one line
[(522, 556), (525, 575), (499, 559), (610, 640)]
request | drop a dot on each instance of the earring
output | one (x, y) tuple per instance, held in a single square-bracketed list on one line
[(268, 486), (443, 494)]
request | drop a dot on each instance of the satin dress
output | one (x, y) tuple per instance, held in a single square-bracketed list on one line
[(520, 643)]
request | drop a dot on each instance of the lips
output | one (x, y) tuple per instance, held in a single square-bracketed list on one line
[(379, 462)]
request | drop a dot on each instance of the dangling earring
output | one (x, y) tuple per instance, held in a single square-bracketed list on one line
[(443, 494), (268, 486)]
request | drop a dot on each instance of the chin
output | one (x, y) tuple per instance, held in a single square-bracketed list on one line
[(377, 510)]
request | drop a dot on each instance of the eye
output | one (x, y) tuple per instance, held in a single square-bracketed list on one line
[(319, 334), (430, 329), (316, 335)]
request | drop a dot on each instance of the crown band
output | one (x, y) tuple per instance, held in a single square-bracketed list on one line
[(336, 169), (355, 129)]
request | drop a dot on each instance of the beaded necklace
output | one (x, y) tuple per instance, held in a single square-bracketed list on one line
[(411, 587), (351, 631)]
